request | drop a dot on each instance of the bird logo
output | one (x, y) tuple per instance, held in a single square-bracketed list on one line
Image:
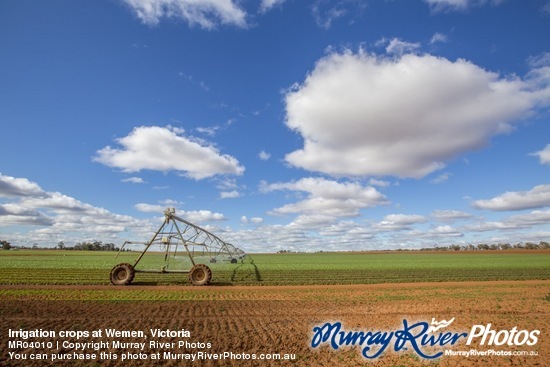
[(436, 325)]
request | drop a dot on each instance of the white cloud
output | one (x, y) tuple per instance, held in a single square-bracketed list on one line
[(72, 215), (150, 208), (267, 5), (201, 216), (324, 18), (206, 14), (254, 220), (194, 216), (320, 205), (536, 217), (15, 214), (403, 219), (57, 202), (229, 194), (226, 183), (229, 189), (325, 12), (328, 198), (438, 37), (60, 215), (450, 215), (170, 203), (313, 232), (544, 155), (312, 221), (398, 47), (444, 231), (442, 178), (394, 222), (449, 5), (490, 226), (539, 75), (362, 114), (515, 222), (264, 156), (380, 183), (165, 149), (210, 131), (136, 180), (18, 187), (538, 197)]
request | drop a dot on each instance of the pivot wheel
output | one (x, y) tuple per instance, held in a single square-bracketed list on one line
[(122, 274), (200, 274)]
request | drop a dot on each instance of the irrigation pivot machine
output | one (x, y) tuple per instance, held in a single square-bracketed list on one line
[(174, 234)]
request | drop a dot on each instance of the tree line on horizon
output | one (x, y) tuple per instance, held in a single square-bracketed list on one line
[(542, 245), (485, 246), (79, 246)]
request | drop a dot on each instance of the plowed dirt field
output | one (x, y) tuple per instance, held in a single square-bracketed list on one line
[(278, 319)]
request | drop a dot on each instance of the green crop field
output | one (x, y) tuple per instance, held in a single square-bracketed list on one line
[(83, 267)]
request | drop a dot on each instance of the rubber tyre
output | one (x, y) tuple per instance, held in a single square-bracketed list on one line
[(200, 274), (122, 274), (233, 261)]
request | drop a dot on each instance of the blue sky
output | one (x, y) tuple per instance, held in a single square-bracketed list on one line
[(322, 125)]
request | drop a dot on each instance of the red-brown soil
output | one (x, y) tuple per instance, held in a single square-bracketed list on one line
[(280, 319)]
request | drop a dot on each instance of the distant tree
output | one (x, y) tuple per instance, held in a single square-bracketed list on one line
[(483, 246), (94, 246), (61, 245), (109, 247), (531, 246), (5, 245)]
